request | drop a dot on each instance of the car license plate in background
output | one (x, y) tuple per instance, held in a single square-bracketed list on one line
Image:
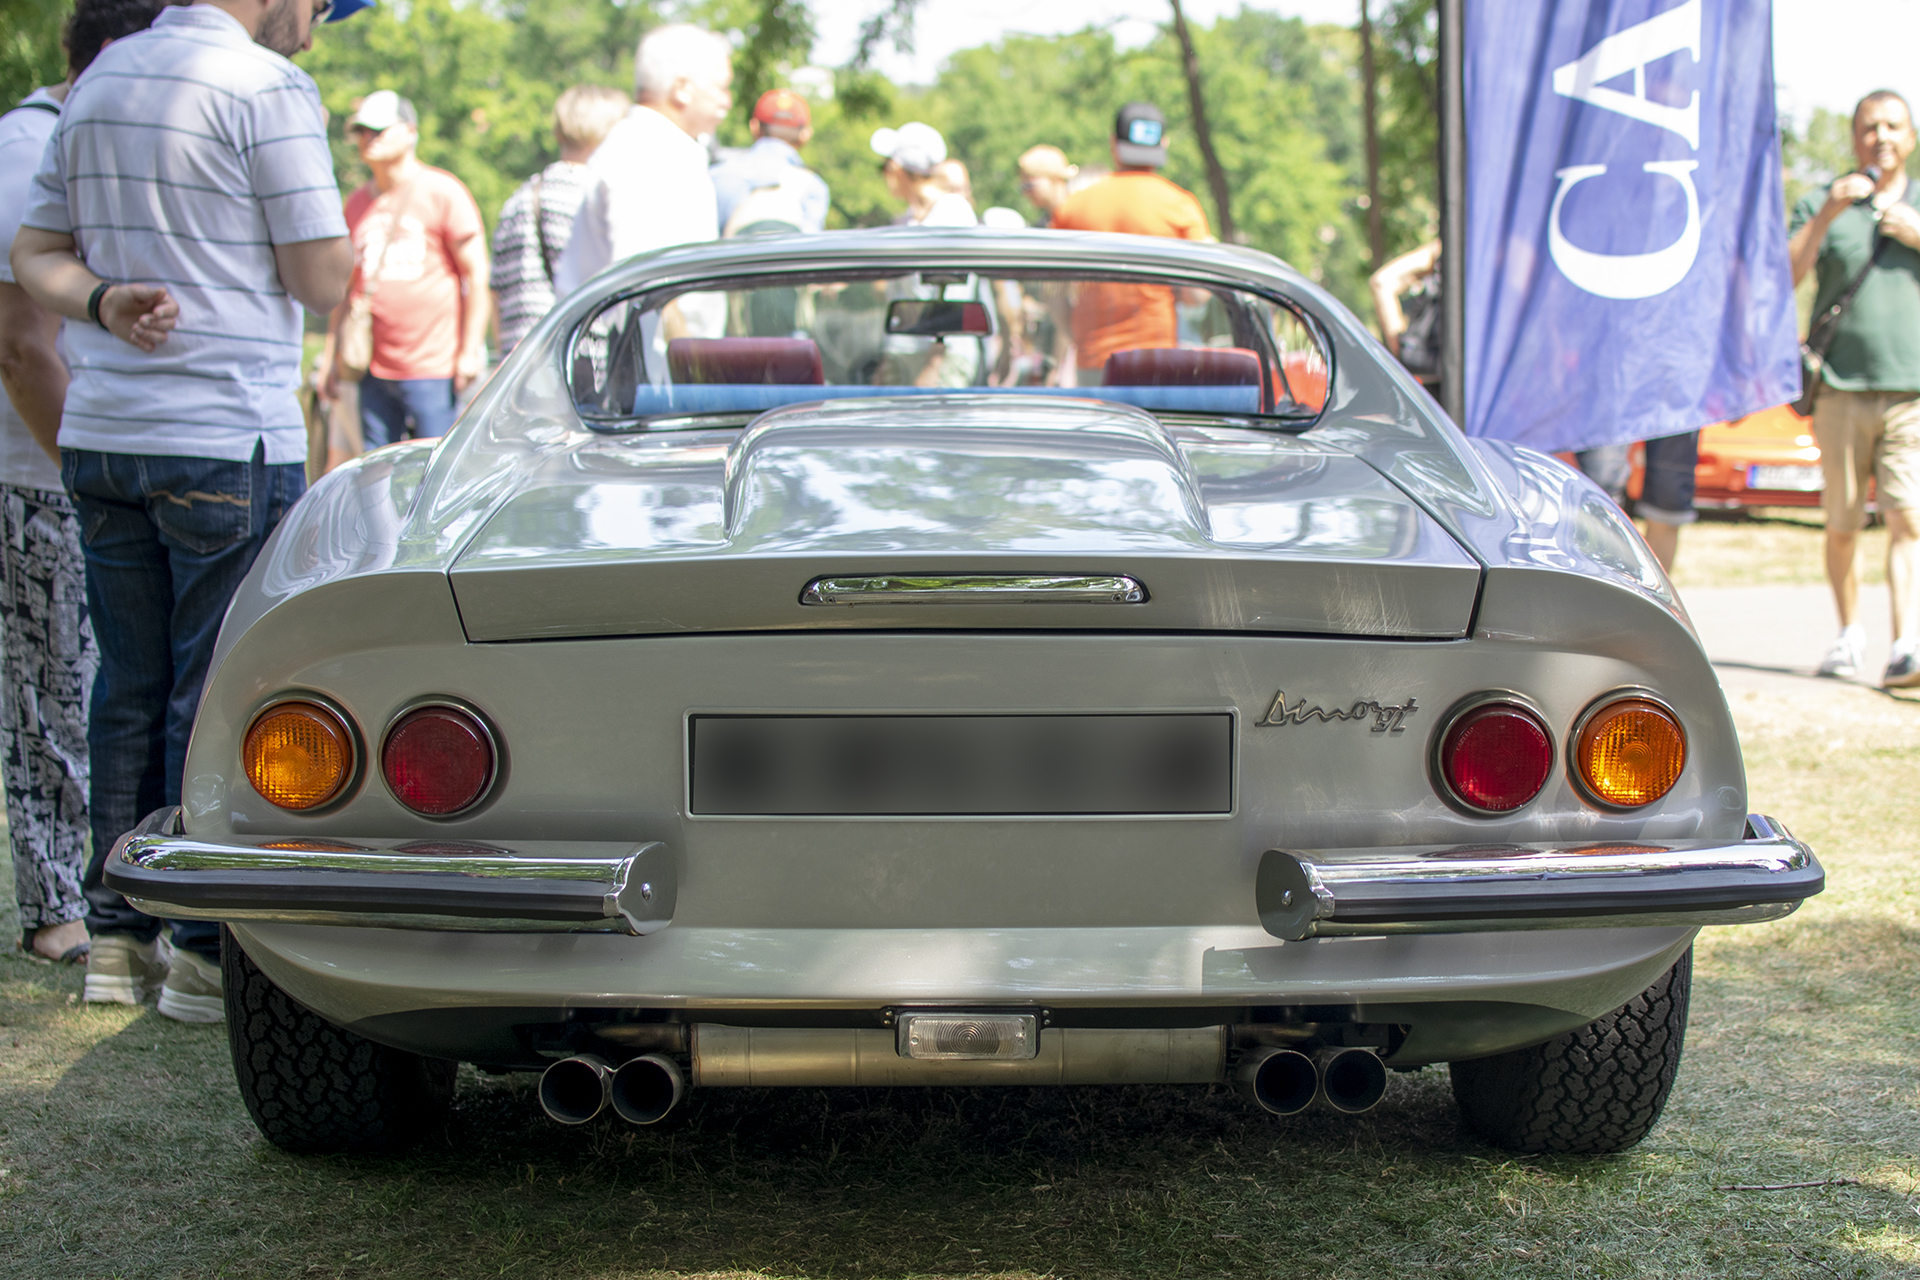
[(956, 765), (1792, 478)]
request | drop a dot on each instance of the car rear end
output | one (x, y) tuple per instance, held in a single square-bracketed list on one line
[(961, 737)]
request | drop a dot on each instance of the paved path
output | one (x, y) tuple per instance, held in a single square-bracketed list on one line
[(1773, 637)]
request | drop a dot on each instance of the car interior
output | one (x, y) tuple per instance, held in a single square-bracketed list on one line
[(645, 361)]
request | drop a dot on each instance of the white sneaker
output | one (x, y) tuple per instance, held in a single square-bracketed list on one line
[(192, 992), (122, 971), (1844, 658)]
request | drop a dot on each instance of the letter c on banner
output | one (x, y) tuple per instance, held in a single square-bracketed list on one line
[(1626, 275)]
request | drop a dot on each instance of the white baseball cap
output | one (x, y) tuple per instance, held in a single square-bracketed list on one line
[(914, 146), (382, 109)]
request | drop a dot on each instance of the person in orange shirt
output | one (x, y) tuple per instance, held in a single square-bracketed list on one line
[(1137, 200)]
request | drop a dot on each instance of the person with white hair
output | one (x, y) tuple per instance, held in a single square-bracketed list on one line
[(647, 184), (536, 222)]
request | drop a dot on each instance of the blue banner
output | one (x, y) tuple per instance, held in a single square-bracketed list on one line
[(1626, 269)]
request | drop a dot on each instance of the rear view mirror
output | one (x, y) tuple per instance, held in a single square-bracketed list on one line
[(915, 318)]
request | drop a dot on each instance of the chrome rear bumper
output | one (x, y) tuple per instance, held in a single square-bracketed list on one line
[(547, 887), (1473, 889), (630, 888)]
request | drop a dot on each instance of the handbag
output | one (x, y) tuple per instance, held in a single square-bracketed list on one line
[(353, 347)]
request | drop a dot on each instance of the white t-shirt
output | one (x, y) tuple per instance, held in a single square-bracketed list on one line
[(23, 137), (950, 210), (183, 156), (647, 189)]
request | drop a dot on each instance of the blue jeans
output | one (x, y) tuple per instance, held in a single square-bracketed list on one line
[(413, 409), (167, 541)]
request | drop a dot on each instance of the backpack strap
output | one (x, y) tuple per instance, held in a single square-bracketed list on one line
[(540, 225)]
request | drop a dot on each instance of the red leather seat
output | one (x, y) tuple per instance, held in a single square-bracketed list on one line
[(745, 361), (1183, 367)]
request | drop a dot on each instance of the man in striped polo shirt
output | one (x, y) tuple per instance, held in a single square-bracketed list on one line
[(184, 212)]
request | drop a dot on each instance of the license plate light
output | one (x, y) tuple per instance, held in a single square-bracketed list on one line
[(969, 1037)]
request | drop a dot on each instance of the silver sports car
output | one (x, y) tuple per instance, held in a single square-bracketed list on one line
[(959, 658)]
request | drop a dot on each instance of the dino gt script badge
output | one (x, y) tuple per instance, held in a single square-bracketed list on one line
[(1388, 717)]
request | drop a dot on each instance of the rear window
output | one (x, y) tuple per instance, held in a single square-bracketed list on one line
[(1160, 345)]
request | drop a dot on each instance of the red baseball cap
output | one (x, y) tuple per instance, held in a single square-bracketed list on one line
[(782, 107)]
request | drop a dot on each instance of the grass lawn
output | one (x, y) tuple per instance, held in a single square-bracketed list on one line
[(1774, 545), (124, 1150)]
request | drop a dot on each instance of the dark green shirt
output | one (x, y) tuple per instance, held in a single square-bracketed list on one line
[(1877, 345)]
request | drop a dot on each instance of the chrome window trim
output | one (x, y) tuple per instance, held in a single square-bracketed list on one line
[(1622, 694), (356, 750), (1436, 770), (974, 588), (494, 773), (666, 288)]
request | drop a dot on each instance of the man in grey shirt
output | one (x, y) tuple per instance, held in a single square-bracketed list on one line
[(184, 212)]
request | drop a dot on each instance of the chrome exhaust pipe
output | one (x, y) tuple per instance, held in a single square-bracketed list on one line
[(1282, 1081), (574, 1090), (646, 1088), (1351, 1080)]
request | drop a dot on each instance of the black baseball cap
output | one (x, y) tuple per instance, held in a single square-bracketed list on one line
[(1139, 136)]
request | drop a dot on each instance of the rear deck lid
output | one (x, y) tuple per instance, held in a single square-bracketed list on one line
[(726, 530)]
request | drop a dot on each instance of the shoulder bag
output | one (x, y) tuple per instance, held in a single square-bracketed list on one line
[(1820, 334), (353, 348)]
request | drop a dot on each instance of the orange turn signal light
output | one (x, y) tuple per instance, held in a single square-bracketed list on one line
[(1629, 753), (298, 755)]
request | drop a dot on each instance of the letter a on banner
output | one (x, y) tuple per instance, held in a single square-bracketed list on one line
[(1626, 272), (1630, 51)]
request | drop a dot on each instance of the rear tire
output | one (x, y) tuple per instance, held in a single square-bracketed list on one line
[(1592, 1091), (314, 1088)]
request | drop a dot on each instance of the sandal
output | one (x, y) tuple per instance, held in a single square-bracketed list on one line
[(76, 954)]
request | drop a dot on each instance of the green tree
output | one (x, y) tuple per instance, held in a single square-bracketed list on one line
[(30, 52), (1282, 98), (484, 82), (1408, 54)]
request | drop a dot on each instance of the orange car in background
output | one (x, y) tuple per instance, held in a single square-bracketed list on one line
[(1766, 459)]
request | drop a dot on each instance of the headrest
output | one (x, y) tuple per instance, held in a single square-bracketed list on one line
[(774, 361), (1182, 367), (1306, 378)]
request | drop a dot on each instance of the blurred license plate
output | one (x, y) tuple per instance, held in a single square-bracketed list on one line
[(948, 765), (1794, 479)]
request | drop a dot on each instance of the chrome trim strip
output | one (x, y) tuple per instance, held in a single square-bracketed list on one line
[(976, 588), (419, 884), (1473, 889)]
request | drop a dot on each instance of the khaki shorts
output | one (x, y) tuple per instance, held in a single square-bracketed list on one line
[(1862, 434)]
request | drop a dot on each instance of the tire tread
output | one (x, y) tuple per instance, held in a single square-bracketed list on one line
[(1595, 1090), (315, 1088)]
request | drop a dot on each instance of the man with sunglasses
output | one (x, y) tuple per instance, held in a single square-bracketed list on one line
[(184, 212), (421, 280)]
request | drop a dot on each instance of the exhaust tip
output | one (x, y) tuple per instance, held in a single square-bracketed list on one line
[(646, 1088), (1282, 1081), (574, 1090), (1352, 1080)]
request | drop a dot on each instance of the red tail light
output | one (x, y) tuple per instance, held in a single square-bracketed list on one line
[(438, 760), (1496, 757)]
